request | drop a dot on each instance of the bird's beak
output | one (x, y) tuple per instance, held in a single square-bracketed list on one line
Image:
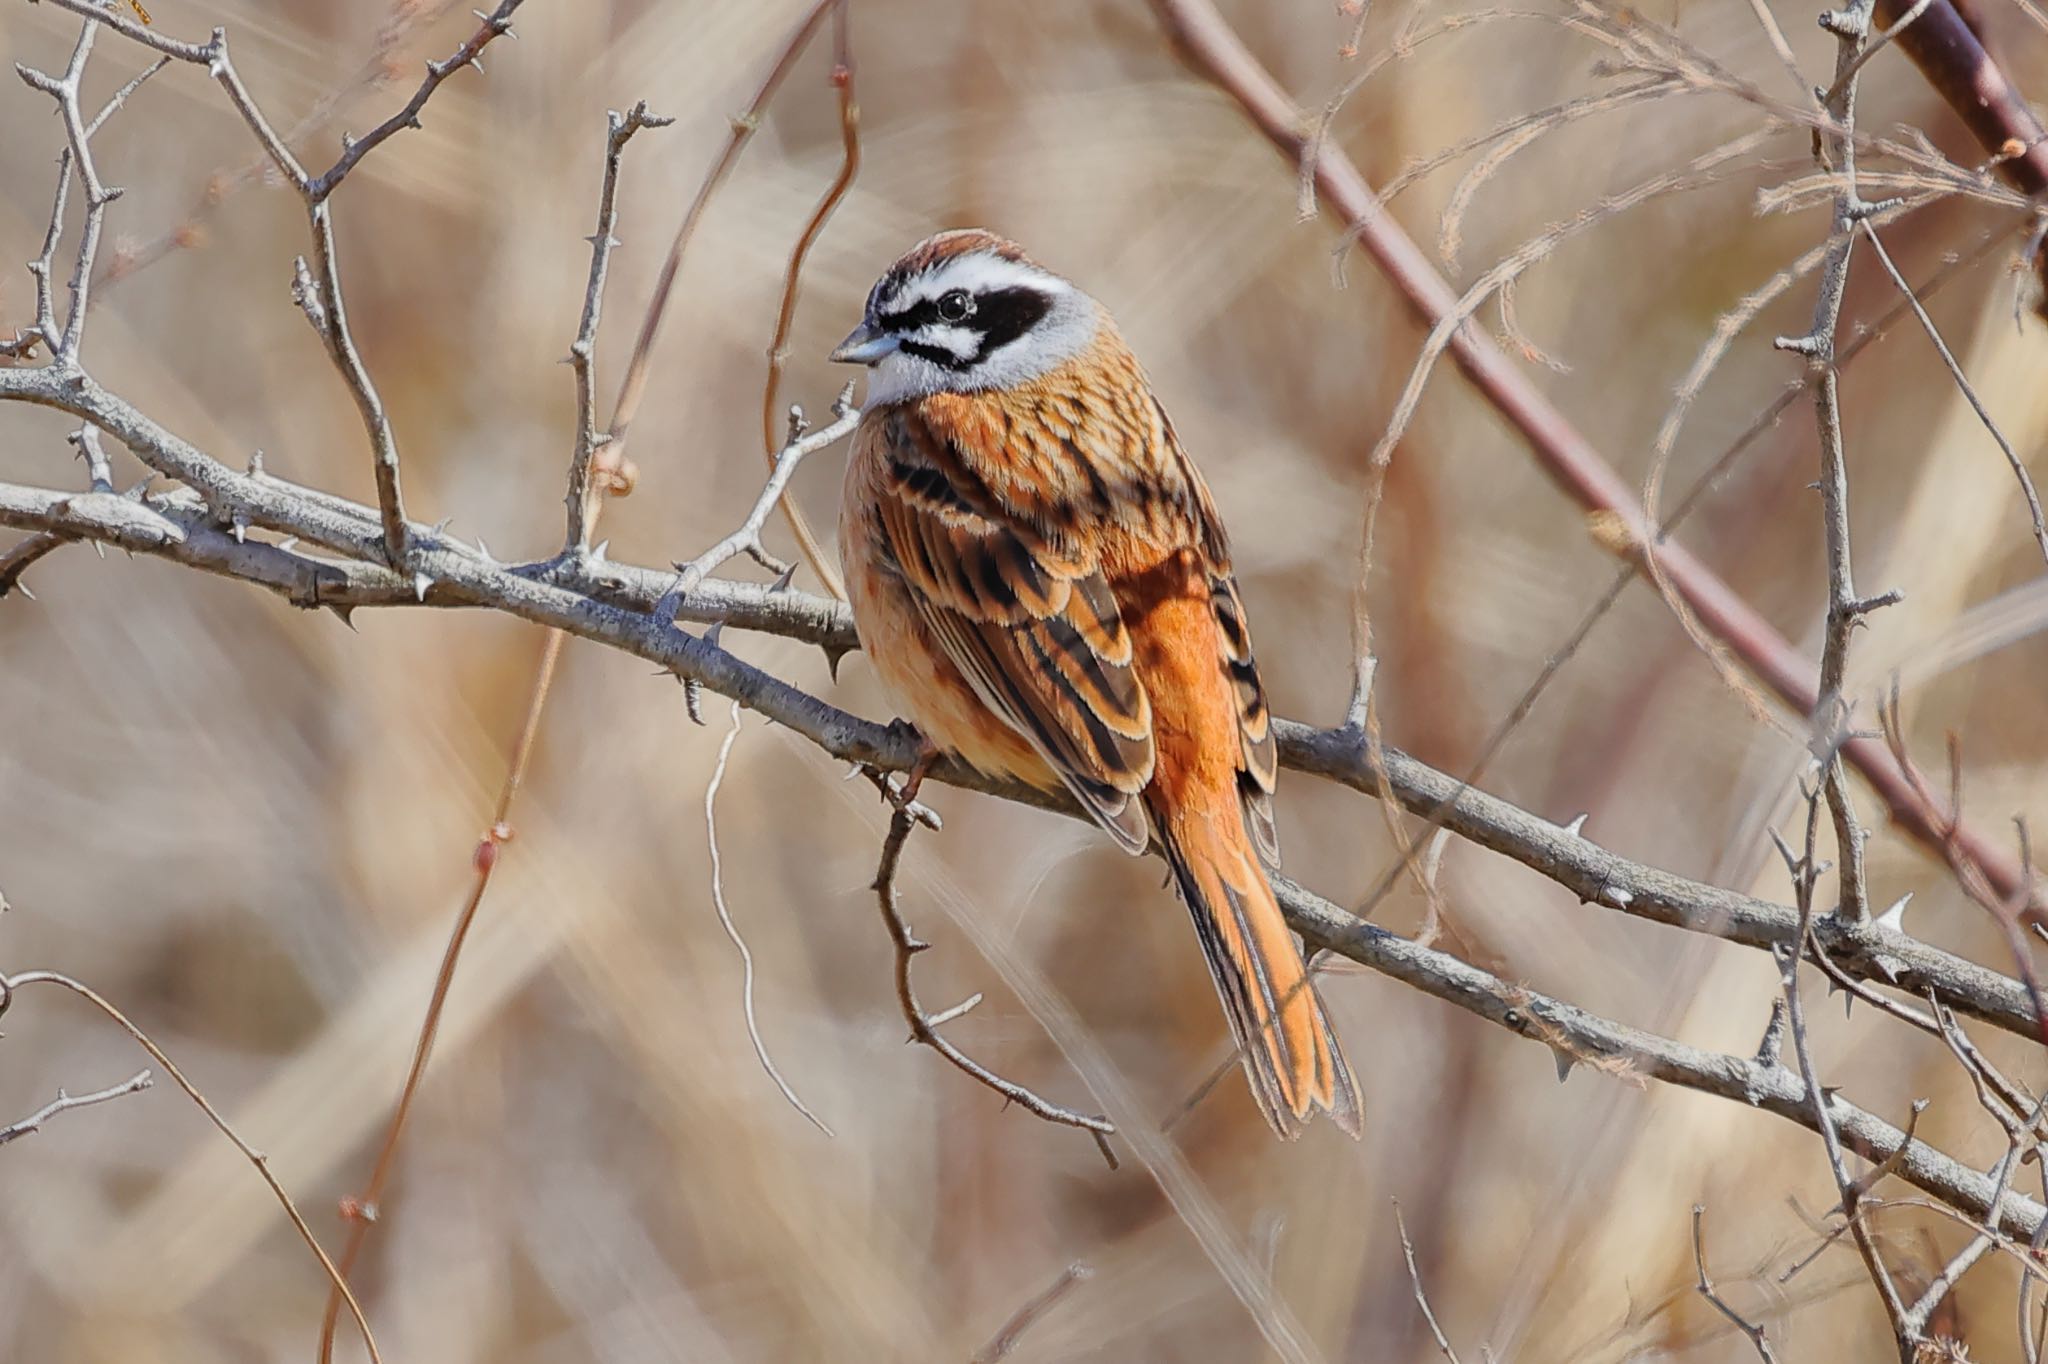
[(864, 346)]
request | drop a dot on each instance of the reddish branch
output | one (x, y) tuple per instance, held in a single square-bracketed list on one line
[(1213, 49), (1953, 58)]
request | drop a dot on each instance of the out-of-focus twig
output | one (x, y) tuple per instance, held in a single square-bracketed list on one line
[(1759, 1341), (633, 387), (792, 278), (1953, 58), (1025, 1317), (65, 1102), (732, 931), (1963, 385), (1443, 1344), (11, 985)]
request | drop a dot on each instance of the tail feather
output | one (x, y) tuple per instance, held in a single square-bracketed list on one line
[(1290, 1054)]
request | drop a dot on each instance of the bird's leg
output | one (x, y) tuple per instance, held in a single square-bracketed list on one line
[(902, 797), (927, 758)]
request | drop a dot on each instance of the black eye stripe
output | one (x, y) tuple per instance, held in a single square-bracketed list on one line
[(1000, 316), (1003, 315)]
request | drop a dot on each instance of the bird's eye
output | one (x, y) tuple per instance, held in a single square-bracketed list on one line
[(956, 306)]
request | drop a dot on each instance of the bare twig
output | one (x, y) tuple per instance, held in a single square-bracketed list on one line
[(1805, 870), (800, 443), (1969, 392), (496, 24), (923, 1026), (1443, 1344), (64, 1103), (77, 155), (1835, 152), (44, 331), (732, 930), (1757, 1339), (12, 985), (583, 350), (1025, 1317)]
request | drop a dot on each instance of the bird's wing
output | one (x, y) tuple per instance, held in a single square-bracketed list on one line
[(1017, 597), (1258, 755)]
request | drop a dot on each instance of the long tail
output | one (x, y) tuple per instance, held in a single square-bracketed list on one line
[(1290, 1054)]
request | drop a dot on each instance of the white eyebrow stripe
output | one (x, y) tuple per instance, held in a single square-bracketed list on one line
[(977, 273)]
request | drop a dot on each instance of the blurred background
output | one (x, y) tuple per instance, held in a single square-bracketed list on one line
[(251, 826)]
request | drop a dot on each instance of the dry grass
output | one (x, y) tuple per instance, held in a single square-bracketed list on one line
[(251, 826)]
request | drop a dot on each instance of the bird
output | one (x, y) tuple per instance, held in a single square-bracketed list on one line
[(1042, 582)]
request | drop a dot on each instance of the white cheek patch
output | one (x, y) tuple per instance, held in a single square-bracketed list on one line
[(958, 341), (901, 375)]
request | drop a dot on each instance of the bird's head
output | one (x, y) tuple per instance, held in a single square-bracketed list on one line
[(962, 312)]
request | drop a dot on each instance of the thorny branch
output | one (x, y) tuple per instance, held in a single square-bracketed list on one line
[(924, 1027), (1835, 152), (1806, 871), (800, 443), (583, 350), (316, 288)]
